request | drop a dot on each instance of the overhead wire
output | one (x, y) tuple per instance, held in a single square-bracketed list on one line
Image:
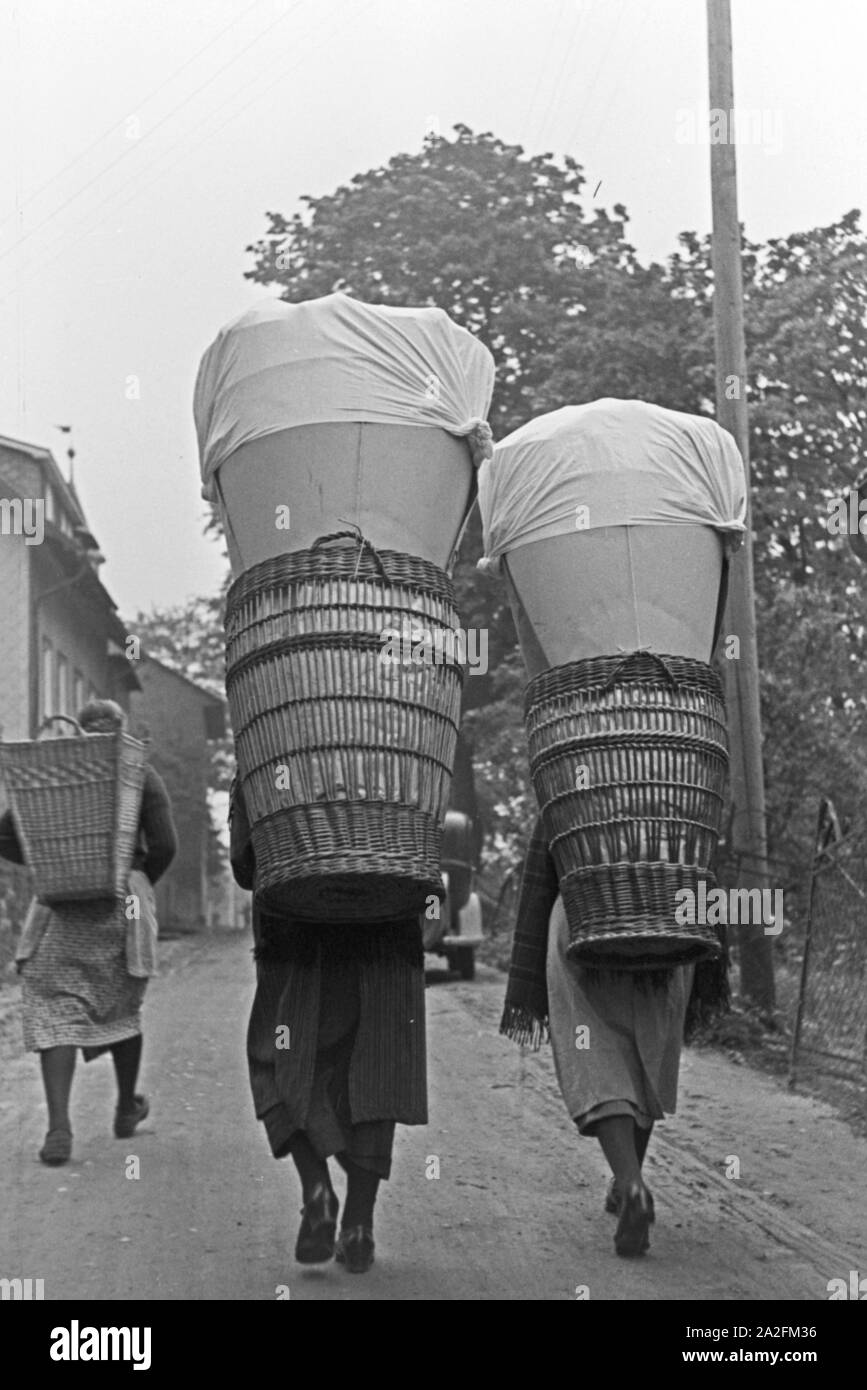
[(543, 65), (157, 126), (637, 35), (141, 185), (111, 129), (591, 90), (568, 52)]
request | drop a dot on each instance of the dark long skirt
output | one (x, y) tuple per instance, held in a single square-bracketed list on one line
[(336, 1040)]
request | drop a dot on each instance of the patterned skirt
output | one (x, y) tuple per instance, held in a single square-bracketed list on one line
[(77, 990)]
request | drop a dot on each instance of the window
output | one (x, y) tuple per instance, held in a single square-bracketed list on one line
[(62, 685), (79, 692), (47, 695), (49, 503)]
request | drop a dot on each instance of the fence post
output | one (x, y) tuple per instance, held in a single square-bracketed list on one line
[(802, 987)]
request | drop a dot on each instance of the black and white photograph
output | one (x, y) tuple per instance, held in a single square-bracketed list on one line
[(433, 670)]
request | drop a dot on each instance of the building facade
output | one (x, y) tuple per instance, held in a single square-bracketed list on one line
[(181, 720), (60, 634), (61, 639)]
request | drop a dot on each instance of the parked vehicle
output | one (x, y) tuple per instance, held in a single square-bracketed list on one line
[(457, 931)]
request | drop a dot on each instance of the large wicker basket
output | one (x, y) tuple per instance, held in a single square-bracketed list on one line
[(76, 804), (628, 758), (345, 758)]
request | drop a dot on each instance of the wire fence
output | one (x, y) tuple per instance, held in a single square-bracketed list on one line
[(830, 1026), (821, 965)]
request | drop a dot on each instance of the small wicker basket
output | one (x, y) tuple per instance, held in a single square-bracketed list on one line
[(345, 759), (628, 758), (76, 804)]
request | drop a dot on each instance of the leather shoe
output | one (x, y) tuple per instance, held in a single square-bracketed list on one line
[(57, 1148), (355, 1249), (125, 1121), (636, 1218), (315, 1243)]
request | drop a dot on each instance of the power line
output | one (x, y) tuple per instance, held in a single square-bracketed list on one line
[(109, 130), (542, 67), (571, 141), (567, 55), (83, 227), (141, 186), (173, 112), (637, 35)]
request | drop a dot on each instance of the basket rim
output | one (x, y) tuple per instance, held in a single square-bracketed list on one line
[(593, 673), (341, 560)]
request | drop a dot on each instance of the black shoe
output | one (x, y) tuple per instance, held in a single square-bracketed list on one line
[(315, 1243), (636, 1218), (355, 1249), (125, 1121), (57, 1148)]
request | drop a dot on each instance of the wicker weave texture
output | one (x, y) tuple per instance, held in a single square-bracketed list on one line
[(345, 755), (628, 757), (76, 804)]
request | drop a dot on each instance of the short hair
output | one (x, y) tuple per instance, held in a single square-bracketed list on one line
[(97, 710)]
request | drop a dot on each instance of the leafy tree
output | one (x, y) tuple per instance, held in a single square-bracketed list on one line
[(190, 639), (492, 236), (502, 242)]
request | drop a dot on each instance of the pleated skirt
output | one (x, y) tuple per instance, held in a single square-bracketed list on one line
[(336, 1038)]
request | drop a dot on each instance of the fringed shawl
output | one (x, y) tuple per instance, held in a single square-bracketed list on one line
[(525, 1013)]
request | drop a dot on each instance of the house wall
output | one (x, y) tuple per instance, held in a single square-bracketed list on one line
[(170, 713), (76, 635), (22, 472), (77, 627), (14, 637)]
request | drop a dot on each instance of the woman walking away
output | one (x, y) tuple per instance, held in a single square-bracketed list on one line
[(616, 1037), (85, 967), (336, 1052)]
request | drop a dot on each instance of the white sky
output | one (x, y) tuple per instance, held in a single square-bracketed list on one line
[(122, 256)]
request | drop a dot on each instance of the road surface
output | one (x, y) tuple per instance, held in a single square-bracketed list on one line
[(515, 1213)]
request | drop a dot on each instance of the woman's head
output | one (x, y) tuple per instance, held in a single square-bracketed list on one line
[(101, 717)]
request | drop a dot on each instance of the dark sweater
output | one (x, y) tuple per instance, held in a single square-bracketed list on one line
[(158, 841)]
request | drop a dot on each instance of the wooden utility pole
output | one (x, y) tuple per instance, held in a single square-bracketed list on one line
[(749, 833)]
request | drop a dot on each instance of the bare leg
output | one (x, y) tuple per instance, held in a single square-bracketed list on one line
[(58, 1066)]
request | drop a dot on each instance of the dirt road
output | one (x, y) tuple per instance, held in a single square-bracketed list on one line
[(516, 1212)]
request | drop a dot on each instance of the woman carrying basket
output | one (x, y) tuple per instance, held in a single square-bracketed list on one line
[(85, 966), (616, 1039), (336, 1054)]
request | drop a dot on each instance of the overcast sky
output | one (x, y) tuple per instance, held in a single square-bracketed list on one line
[(150, 136)]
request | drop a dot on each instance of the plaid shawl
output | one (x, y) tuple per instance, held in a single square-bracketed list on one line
[(525, 1013)]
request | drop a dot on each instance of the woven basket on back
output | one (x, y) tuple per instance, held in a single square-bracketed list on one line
[(628, 758), (345, 757), (76, 804)]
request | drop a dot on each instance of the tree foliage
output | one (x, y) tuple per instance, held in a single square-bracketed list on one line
[(501, 241)]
